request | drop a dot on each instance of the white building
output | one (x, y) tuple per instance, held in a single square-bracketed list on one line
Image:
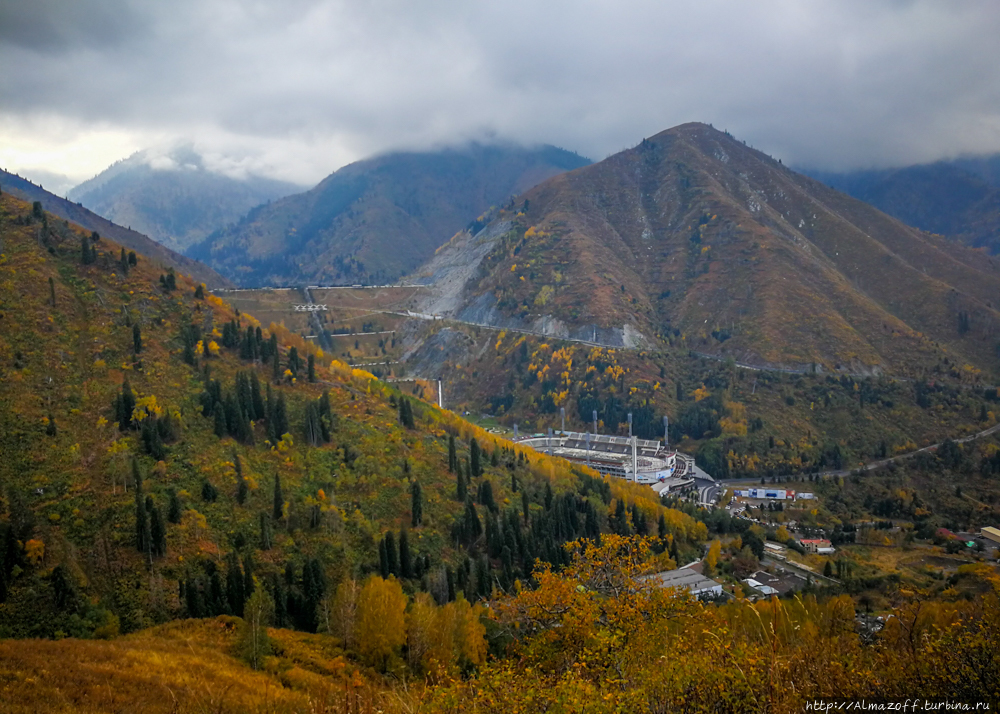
[(688, 579)]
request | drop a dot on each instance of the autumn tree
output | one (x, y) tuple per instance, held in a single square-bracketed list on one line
[(712, 559), (381, 621)]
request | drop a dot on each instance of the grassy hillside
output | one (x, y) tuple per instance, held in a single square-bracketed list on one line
[(376, 219), (116, 377), (126, 237)]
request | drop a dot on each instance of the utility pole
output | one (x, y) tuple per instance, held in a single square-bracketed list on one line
[(635, 460), (562, 418), (588, 448), (630, 423), (595, 422), (666, 432)]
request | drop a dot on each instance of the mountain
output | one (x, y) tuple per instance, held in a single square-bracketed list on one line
[(959, 198), (693, 240), (126, 237), (173, 197), (376, 219)]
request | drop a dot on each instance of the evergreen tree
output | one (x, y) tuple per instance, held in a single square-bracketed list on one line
[(280, 416), (277, 368), (88, 256), (525, 506), (208, 492), (158, 532), (314, 434), (136, 339), (199, 292), (278, 504), (416, 504), (293, 361), (475, 459), (174, 507), (220, 420), (452, 455), (266, 533), (391, 554), (312, 369), (259, 412), (235, 593), (461, 488), (405, 565), (485, 496), (52, 292), (661, 527)]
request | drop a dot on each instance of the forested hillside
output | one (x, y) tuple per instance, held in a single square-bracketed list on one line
[(164, 456)]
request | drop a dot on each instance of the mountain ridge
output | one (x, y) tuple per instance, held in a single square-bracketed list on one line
[(174, 198), (375, 219)]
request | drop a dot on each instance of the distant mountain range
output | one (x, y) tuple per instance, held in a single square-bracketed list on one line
[(692, 239), (133, 240), (959, 198), (173, 197), (374, 220)]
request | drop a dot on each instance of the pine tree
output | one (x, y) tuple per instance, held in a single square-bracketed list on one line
[(235, 592), (136, 339), (174, 508), (277, 368), (452, 455), (256, 401), (220, 420), (52, 292), (266, 533), (475, 459), (391, 554), (278, 504), (416, 504), (199, 292), (405, 565), (312, 368), (525, 506), (280, 416), (293, 361), (158, 532), (461, 488), (208, 492)]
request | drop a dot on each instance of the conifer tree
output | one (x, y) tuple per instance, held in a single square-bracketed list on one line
[(259, 411), (461, 488), (391, 554), (525, 506), (278, 502), (312, 368), (475, 459), (136, 339), (266, 532), (452, 454), (199, 292), (277, 368), (235, 593), (174, 507), (280, 417), (416, 504), (157, 530), (293, 361), (52, 292), (208, 492), (220, 420), (405, 564)]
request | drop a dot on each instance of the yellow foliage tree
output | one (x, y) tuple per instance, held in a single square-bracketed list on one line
[(381, 620)]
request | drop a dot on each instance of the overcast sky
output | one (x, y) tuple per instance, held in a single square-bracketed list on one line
[(295, 89)]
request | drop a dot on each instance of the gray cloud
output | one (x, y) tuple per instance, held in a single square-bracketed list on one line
[(299, 88)]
